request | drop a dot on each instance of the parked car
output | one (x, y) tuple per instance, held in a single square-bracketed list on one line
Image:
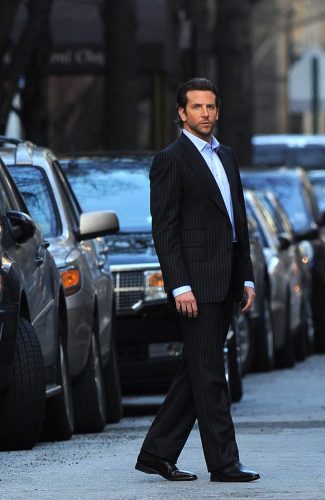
[(289, 150), (295, 193), (35, 386), (299, 254), (148, 334), (86, 279), (285, 282)]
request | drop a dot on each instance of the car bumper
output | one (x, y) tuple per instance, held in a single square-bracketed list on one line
[(149, 347)]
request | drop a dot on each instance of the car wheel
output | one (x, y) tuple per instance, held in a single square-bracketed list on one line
[(286, 355), (22, 405), (114, 409), (89, 394), (301, 339), (235, 371), (59, 422), (264, 353)]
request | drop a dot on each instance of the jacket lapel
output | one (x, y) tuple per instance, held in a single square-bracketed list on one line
[(195, 161)]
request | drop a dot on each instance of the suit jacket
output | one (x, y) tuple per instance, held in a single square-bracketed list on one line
[(191, 228)]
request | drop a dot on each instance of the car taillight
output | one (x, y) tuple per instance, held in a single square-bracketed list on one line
[(71, 281)]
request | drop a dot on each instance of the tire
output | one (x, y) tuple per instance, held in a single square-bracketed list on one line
[(264, 339), (89, 394), (22, 405), (235, 373), (59, 421), (286, 355), (114, 408)]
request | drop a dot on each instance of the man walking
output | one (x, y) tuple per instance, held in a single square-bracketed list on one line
[(200, 233)]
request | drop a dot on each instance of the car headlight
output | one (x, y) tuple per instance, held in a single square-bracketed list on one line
[(154, 286), (71, 280)]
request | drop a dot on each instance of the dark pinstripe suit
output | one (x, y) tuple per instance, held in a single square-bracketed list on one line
[(193, 239)]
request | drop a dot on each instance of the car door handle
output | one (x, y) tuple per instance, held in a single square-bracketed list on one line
[(100, 264)]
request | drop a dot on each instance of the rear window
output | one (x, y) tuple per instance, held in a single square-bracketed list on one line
[(309, 155)]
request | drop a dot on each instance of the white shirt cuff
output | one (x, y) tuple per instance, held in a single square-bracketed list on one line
[(249, 283), (181, 289)]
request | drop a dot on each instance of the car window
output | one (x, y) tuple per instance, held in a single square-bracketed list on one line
[(119, 184), (11, 196), (36, 193), (261, 232)]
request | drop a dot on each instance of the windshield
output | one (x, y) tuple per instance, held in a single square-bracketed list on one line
[(290, 192), (309, 155), (119, 184)]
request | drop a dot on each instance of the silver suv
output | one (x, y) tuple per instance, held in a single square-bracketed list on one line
[(85, 277), (33, 363)]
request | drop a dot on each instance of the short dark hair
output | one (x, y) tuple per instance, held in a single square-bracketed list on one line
[(194, 84)]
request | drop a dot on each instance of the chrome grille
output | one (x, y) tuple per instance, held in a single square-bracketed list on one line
[(129, 289)]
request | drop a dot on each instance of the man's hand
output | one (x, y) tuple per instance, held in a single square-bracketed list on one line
[(249, 293), (186, 304)]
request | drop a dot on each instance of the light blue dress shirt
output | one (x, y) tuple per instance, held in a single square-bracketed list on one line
[(209, 153)]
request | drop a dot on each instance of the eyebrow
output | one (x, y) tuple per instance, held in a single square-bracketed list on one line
[(201, 104)]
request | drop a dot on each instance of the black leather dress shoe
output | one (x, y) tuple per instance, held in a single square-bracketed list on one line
[(234, 472), (153, 465)]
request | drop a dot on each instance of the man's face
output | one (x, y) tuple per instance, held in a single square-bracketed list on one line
[(200, 114)]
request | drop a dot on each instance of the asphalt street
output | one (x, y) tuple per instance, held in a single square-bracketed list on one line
[(280, 426)]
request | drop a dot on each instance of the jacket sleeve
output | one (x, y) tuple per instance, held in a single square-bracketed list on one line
[(165, 206)]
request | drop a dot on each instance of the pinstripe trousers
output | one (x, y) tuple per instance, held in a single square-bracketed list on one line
[(199, 391)]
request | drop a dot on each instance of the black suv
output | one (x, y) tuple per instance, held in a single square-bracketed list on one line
[(33, 365)]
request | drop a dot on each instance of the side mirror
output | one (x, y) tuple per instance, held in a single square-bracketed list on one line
[(22, 226), (285, 240), (95, 224)]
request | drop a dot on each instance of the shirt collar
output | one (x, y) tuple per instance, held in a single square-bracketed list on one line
[(200, 144)]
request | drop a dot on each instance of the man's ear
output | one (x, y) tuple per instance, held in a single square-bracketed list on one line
[(182, 114)]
